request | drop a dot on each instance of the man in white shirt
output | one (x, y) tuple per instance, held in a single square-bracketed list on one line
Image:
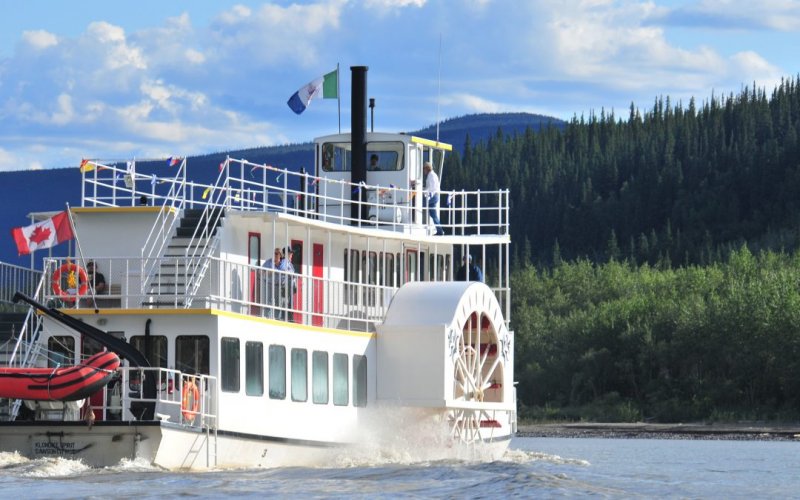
[(432, 194)]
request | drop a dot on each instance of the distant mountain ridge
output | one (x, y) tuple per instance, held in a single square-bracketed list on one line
[(29, 191)]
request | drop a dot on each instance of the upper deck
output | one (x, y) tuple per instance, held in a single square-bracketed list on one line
[(391, 198)]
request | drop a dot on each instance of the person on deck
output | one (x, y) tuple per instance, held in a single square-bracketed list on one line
[(469, 270), (432, 195)]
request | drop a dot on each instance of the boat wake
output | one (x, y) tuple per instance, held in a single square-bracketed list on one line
[(20, 466), (524, 457)]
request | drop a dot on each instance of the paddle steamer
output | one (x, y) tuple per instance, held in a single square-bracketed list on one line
[(227, 362)]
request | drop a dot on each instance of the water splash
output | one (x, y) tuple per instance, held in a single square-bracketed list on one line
[(524, 457), (395, 436), (21, 466)]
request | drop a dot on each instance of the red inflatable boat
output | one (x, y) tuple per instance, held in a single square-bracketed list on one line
[(68, 383)]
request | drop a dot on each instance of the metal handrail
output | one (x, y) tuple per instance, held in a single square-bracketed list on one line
[(281, 190), (164, 227)]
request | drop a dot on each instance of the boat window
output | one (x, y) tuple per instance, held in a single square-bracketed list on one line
[(229, 354), (438, 267), (341, 395), (352, 264), (388, 272), (423, 276), (62, 351), (411, 265), (156, 353), (319, 377), (370, 265), (277, 372), (336, 157), (359, 380), (192, 354), (299, 375), (388, 156), (254, 369)]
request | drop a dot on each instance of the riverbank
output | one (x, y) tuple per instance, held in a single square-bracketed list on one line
[(734, 431)]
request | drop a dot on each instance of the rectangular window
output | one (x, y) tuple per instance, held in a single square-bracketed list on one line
[(359, 380), (352, 275), (62, 351), (192, 354), (390, 279), (411, 265), (336, 157), (388, 156), (155, 352), (254, 369), (341, 381), (319, 377), (229, 353), (299, 375), (370, 265), (277, 372)]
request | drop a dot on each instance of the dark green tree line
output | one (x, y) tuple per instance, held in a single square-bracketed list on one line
[(676, 185)]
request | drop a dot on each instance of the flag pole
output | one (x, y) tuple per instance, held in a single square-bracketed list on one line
[(80, 258), (339, 95)]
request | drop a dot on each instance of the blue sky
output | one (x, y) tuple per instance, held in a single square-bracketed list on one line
[(146, 79)]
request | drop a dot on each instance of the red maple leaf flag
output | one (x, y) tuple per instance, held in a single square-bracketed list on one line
[(43, 234)]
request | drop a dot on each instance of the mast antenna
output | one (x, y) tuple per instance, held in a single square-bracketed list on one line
[(439, 90)]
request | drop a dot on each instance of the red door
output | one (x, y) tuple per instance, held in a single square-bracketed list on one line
[(318, 295)]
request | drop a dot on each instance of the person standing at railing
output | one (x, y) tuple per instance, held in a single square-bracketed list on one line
[(272, 282), (469, 270), (432, 195), (288, 285), (280, 284)]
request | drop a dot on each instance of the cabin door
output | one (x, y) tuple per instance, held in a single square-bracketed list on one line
[(297, 262), (254, 260), (318, 288)]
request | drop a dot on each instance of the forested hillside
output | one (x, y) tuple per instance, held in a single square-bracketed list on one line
[(679, 184), (617, 342)]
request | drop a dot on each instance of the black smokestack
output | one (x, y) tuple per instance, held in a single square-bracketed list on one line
[(358, 138)]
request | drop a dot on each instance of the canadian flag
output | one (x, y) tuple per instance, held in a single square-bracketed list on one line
[(44, 234)]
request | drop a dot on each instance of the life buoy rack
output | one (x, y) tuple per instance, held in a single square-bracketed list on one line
[(82, 281), (189, 408)]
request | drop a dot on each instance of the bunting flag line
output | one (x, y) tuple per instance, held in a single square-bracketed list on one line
[(86, 166), (205, 193), (172, 161)]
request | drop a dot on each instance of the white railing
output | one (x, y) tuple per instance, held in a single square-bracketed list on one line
[(164, 227), (15, 279), (256, 187), (204, 240), (123, 398), (240, 288)]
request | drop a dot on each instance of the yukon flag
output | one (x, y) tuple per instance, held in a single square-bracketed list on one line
[(44, 234), (328, 85)]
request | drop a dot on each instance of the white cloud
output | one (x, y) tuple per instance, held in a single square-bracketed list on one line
[(274, 34), (394, 4), (64, 112), (780, 15), (195, 56), (473, 103), (750, 67), (39, 39)]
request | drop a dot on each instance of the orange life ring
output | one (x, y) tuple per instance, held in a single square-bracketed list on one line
[(189, 412), (71, 269)]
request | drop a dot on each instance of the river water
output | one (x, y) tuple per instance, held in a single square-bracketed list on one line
[(532, 467)]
